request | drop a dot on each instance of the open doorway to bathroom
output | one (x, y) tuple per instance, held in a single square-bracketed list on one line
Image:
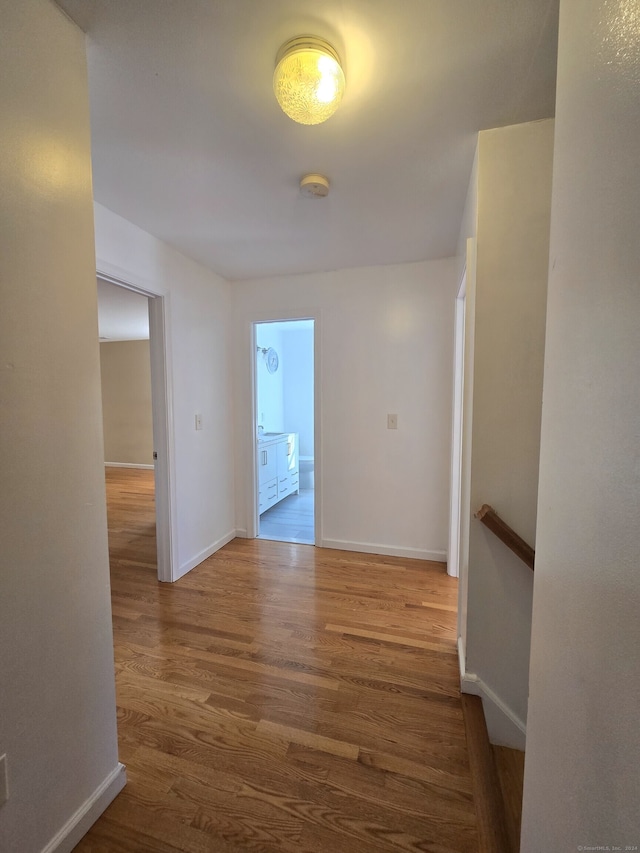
[(284, 407)]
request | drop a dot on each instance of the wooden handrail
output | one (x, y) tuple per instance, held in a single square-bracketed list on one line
[(490, 518)]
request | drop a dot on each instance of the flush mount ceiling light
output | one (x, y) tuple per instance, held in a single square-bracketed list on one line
[(308, 81)]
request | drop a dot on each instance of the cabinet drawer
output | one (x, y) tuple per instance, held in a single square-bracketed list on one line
[(284, 486), (267, 494)]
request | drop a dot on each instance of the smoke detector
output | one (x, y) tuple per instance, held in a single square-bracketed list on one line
[(314, 186)]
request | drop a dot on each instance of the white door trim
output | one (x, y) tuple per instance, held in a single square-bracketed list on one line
[(453, 562), (251, 436), (162, 406)]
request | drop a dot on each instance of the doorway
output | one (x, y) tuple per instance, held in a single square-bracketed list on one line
[(285, 437), (132, 356)]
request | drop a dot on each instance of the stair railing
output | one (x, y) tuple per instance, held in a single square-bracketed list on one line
[(490, 518)]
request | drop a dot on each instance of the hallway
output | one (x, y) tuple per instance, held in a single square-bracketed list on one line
[(282, 698)]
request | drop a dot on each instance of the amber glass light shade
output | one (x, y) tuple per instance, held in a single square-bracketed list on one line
[(308, 81)]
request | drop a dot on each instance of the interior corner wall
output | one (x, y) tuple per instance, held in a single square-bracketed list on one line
[(125, 371), (466, 263), (582, 786), (198, 310), (57, 700), (469, 224), (386, 346), (508, 329)]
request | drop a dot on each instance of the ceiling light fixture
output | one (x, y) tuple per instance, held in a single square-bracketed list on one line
[(308, 81)]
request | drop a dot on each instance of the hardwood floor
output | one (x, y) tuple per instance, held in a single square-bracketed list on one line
[(510, 767), (282, 698)]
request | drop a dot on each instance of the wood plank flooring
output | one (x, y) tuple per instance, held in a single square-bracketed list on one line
[(492, 832), (510, 767), (282, 698)]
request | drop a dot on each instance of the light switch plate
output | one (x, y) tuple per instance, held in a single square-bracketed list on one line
[(392, 422), (198, 421)]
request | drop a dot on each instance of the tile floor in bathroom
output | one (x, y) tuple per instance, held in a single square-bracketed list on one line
[(290, 520)]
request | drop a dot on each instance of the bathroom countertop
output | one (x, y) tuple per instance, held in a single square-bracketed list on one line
[(271, 436)]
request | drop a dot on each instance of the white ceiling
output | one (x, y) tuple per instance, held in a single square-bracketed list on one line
[(189, 143), (122, 314)]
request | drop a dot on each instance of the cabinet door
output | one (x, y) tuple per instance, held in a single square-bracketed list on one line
[(292, 453), (267, 463), (288, 455), (285, 457)]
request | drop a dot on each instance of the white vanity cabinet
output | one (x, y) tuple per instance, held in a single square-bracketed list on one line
[(267, 475), (278, 474), (287, 465)]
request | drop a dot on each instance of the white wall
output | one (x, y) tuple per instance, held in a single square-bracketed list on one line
[(57, 699), (125, 373), (297, 349), (270, 386), (508, 328), (469, 223), (198, 303), (385, 338), (582, 785)]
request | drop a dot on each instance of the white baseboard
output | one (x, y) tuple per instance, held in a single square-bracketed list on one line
[(128, 465), (81, 822), (241, 533), (461, 660), (207, 552), (385, 550), (505, 728)]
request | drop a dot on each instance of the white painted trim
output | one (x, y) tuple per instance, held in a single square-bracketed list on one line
[(467, 415), (251, 474), (504, 726), (128, 465), (455, 501), (81, 822), (385, 550), (461, 659), (162, 406), (164, 437), (113, 274), (253, 520), (207, 552), (241, 533), (318, 434)]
